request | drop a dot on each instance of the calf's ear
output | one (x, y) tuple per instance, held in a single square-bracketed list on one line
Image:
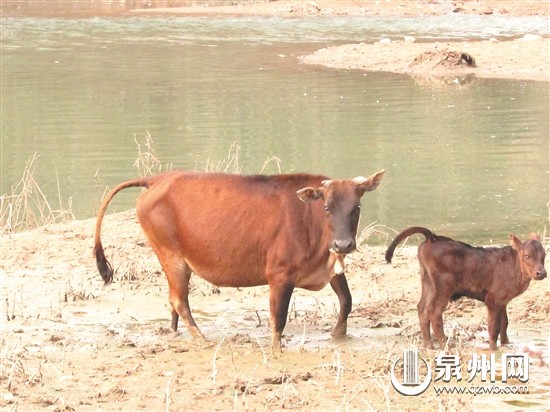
[(309, 194), (366, 184), (515, 242)]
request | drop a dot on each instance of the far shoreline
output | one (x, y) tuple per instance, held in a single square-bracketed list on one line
[(516, 59), (526, 58)]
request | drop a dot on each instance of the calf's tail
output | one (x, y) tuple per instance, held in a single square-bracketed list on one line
[(103, 265), (405, 234)]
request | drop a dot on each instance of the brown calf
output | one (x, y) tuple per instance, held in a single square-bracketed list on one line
[(450, 269), (285, 231)]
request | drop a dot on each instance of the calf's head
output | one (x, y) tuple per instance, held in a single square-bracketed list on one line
[(531, 256), (342, 201)]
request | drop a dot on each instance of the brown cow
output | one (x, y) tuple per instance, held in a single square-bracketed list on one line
[(285, 231), (450, 269)]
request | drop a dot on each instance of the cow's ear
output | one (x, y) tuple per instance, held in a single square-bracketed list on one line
[(309, 194), (515, 242), (366, 184), (534, 236)]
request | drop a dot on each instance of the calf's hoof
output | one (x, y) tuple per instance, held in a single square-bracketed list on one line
[(428, 344)]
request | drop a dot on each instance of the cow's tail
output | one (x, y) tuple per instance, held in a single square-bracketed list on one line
[(103, 265), (405, 234)]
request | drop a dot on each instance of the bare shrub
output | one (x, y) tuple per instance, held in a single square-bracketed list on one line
[(27, 207), (147, 162), (229, 164)]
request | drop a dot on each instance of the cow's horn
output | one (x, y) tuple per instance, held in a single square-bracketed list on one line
[(326, 183)]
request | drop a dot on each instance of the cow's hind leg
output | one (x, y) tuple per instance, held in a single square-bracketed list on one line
[(279, 300), (178, 274), (165, 244), (340, 286)]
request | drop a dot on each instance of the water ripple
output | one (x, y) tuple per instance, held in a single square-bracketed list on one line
[(193, 30)]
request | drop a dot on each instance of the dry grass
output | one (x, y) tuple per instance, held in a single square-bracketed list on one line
[(27, 207), (15, 370), (229, 164), (381, 234), (147, 162)]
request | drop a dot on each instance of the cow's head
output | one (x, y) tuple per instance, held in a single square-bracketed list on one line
[(531, 256), (342, 199)]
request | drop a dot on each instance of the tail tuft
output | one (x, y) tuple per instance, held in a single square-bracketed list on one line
[(103, 265), (389, 255)]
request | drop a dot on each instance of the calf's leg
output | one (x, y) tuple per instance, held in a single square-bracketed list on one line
[(424, 319), (436, 318), (441, 293), (496, 313), (423, 313), (504, 327), (340, 286)]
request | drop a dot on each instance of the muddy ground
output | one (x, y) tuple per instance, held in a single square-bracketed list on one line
[(68, 343)]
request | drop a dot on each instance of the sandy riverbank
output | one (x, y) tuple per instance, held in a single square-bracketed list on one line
[(67, 343)]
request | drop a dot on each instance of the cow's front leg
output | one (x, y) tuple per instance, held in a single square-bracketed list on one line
[(340, 286), (279, 300)]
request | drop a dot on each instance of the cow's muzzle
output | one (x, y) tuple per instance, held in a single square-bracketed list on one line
[(343, 246)]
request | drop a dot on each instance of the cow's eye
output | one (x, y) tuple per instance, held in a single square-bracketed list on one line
[(326, 208), (526, 257)]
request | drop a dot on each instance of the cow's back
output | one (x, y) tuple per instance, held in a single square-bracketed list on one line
[(232, 229)]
